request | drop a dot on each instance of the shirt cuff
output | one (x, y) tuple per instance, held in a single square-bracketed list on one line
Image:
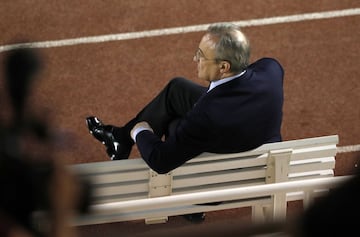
[(136, 131)]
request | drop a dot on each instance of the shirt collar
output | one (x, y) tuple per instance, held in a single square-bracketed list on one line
[(214, 84)]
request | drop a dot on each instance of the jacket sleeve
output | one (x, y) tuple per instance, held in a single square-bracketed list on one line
[(190, 139)]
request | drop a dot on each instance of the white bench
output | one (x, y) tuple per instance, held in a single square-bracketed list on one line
[(117, 182)]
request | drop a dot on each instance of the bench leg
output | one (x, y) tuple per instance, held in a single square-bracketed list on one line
[(257, 214), (279, 207), (308, 198)]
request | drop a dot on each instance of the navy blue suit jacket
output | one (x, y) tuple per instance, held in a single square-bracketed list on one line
[(236, 116)]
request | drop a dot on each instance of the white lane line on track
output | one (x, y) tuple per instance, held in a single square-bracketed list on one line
[(180, 30), (350, 148)]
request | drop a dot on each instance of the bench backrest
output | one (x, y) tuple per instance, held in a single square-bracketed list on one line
[(274, 162)]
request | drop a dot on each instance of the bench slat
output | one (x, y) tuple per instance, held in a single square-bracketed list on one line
[(120, 176), (129, 216), (119, 198), (312, 165), (218, 178), (311, 174), (128, 189), (294, 144), (313, 152), (212, 187), (227, 164), (110, 166)]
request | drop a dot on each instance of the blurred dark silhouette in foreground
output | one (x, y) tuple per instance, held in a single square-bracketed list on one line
[(39, 194)]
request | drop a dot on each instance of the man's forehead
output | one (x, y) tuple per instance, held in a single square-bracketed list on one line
[(208, 40)]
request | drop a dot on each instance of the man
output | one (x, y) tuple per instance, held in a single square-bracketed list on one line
[(240, 110)]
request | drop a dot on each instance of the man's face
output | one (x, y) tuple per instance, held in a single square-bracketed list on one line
[(207, 67)]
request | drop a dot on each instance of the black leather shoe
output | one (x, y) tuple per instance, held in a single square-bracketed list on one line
[(95, 126), (195, 217), (116, 150)]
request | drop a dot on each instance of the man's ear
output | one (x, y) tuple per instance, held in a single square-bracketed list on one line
[(225, 66)]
